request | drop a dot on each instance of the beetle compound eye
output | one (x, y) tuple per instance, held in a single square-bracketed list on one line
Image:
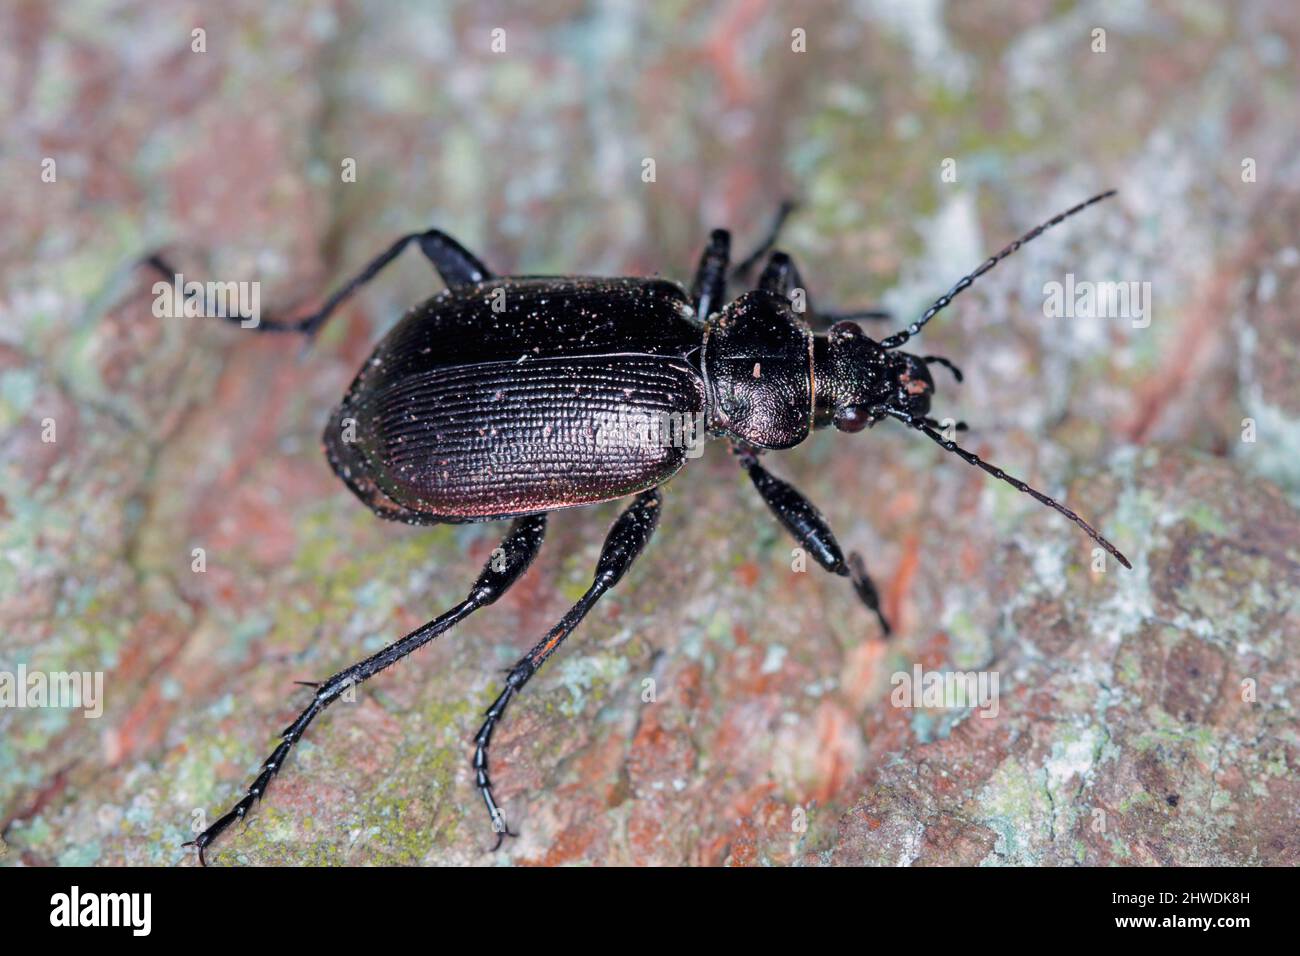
[(853, 418)]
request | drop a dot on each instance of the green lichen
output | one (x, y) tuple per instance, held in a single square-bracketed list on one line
[(1016, 807)]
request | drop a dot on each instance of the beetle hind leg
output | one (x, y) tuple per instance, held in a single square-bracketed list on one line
[(455, 264), (506, 565), (627, 538)]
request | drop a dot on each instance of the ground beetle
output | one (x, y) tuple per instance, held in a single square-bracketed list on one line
[(494, 400)]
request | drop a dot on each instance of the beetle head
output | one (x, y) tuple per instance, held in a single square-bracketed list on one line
[(857, 380)]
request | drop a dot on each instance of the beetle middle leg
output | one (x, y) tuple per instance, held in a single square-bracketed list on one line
[(781, 276), (626, 539), (506, 565), (805, 522)]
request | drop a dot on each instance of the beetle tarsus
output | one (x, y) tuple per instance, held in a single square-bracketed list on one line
[(481, 741), (866, 590), (204, 839), (501, 837)]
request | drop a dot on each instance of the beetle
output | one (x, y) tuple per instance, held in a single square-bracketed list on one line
[(505, 397)]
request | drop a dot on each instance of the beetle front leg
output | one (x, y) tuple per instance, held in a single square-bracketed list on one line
[(504, 568), (709, 289), (741, 270), (781, 276), (625, 541), (802, 519)]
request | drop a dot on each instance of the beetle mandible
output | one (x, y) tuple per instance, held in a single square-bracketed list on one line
[(497, 399)]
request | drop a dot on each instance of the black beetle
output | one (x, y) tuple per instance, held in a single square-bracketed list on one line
[(514, 396)]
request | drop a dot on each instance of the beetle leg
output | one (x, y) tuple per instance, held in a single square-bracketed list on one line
[(781, 276), (802, 519), (454, 263), (742, 269), (626, 539), (709, 287), (506, 565)]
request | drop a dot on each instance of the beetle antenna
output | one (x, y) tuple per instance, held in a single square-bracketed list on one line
[(898, 338), (972, 459)]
